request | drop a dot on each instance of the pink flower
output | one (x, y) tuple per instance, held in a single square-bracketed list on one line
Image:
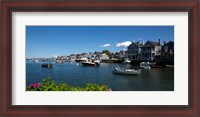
[(35, 85), (110, 89), (32, 85)]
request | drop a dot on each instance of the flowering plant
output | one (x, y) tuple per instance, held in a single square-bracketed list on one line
[(35, 85), (50, 85)]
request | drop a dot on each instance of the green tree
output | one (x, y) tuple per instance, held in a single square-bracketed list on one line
[(107, 52)]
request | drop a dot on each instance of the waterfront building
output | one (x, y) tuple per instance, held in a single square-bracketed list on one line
[(79, 56), (90, 56), (118, 55), (134, 51), (97, 55), (149, 51), (168, 51), (85, 55), (104, 57), (123, 54), (112, 55), (73, 56), (60, 58)]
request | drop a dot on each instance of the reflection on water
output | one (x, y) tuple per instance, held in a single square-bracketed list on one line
[(156, 79)]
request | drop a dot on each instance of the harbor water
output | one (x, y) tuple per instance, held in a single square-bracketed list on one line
[(74, 74)]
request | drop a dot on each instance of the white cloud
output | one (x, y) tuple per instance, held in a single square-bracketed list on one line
[(105, 45), (124, 44)]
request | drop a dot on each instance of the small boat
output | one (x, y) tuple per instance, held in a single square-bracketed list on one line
[(81, 60), (47, 65), (35, 61), (169, 65), (59, 61), (71, 60), (92, 64), (78, 60), (127, 61), (145, 67), (44, 59), (124, 71), (147, 64), (97, 62)]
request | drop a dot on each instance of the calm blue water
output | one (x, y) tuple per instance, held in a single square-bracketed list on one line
[(156, 79)]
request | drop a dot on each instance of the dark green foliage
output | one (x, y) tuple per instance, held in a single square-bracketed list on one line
[(107, 52), (50, 85)]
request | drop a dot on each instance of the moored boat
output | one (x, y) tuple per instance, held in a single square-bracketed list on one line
[(81, 60), (35, 61), (47, 65), (147, 64), (59, 61), (124, 71), (145, 67), (78, 60), (127, 61), (92, 64)]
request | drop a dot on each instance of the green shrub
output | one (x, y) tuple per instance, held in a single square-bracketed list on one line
[(48, 84)]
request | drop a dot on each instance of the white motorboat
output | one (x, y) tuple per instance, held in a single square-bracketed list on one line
[(92, 64), (59, 61), (147, 64), (127, 61), (145, 67), (124, 71), (35, 61)]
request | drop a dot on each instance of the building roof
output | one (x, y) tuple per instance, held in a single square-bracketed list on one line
[(153, 43), (168, 43), (137, 44), (150, 43)]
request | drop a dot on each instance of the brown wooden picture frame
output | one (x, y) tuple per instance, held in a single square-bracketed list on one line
[(9, 6)]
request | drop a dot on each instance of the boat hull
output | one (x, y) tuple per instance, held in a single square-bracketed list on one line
[(127, 72), (145, 67), (147, 64), (46, 65), (86, 64), (90, 64)]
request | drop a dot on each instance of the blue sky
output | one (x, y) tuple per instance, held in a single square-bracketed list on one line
[(46, 41)]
